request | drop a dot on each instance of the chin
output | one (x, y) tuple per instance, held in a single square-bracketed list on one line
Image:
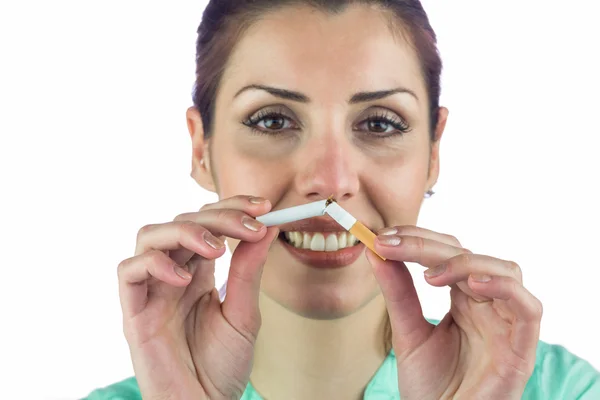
[(323, 300), (318, 293)]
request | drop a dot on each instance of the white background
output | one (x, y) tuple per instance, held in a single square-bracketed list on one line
[(94, 145)]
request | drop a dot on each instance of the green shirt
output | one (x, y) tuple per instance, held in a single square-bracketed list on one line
[(558, 374)]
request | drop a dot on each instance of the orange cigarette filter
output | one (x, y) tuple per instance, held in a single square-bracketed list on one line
[(352, 225)]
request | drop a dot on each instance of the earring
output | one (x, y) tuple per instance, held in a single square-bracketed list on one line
[(429, 193), (202, 162)]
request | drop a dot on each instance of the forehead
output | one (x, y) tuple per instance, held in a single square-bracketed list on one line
[(325, 55)]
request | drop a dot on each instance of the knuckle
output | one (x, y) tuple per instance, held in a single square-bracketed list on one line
[(536, 309), (513, 266), (123, 265), (225, 214), (207, 206), (465, 259), (454, 240), (515, 269), (154, 257), (222, 213), (182, 217), (419, 244), (186, 225), (187, 229), (143, 231)]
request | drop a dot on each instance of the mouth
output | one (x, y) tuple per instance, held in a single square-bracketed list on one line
[(332, 249), (319, 241)]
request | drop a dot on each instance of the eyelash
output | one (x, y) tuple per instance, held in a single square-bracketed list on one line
[(386, 117), (253, 121), (390, 118)]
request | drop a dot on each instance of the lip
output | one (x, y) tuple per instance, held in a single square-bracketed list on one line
[(315, 224), (325, 259)]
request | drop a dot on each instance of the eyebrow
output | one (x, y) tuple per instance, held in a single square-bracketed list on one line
[(363, 97), (360, 97), (281, 93)]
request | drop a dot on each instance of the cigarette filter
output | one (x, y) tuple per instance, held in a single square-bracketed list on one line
[(292, 214), (351, 224)]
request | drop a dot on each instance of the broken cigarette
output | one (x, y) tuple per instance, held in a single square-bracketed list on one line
[(318, 208), (351, 224)]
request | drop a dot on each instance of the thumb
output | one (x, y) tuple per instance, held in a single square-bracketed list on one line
[(409, 326), (240, 306)]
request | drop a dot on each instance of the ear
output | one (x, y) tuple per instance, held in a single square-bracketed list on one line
[(434, 161), (201, 172)]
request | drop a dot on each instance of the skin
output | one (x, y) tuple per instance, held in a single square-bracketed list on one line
[(320, 330), (380, 181)]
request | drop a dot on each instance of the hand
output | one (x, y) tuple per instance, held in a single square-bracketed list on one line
[(184, 343), (485, 346)]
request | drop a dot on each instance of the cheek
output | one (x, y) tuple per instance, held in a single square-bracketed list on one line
[(399, 188), (241, 177), (240, 173)]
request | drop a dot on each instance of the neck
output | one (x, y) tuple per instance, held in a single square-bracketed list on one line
[(301, 358)]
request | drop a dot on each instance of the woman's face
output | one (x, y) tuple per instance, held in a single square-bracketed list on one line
[(313, 105)]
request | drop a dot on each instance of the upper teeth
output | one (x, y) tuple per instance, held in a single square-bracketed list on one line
[(317, 241)]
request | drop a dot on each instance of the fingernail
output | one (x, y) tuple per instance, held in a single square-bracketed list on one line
[(183, 274), (252, 224), (481, 278), (388, 231), (389, 240), (213, 241), (435, 271), (257, 200)]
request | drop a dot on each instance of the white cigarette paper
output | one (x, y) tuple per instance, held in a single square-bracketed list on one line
[(341, 216), (292, 214)]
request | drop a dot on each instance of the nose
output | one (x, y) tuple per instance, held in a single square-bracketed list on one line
[(328, 167)]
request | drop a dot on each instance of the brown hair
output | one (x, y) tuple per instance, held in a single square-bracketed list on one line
[(224, 21)]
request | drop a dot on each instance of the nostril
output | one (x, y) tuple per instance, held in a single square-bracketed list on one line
[(322, 196), (344, 197), (315, 196)]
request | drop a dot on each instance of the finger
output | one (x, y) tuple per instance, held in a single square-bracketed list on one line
[(240, 307), (526, 308), (232, 217), (135, 272), (251, 205), (177, 235), (411, 230), (203, 281), (459, 268), (229, 222), (224, 222), (181, 240), (409, 325), (427, 252)]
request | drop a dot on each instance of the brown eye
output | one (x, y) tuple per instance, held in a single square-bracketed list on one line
[(274, 123), (378, 126), (271, 122), (382, 125)]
